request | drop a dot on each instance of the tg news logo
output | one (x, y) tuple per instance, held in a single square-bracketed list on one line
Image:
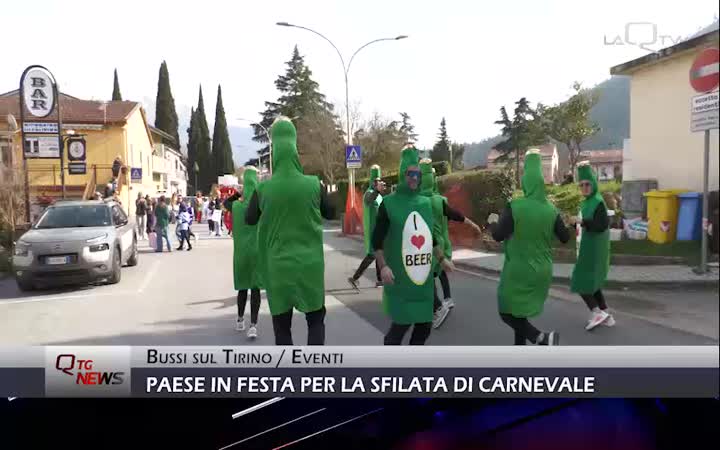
[(83, 372)]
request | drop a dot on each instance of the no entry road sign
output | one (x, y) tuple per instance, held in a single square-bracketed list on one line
[(705, 70)]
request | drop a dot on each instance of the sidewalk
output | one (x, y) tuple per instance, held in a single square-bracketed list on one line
[(619, 276), (658, 276)]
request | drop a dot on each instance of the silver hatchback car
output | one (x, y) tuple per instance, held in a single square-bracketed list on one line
[(76, 242)]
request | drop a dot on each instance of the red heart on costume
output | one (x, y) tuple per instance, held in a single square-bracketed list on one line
[(418, 241)]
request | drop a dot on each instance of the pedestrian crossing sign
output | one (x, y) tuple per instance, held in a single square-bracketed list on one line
[(353, 156)]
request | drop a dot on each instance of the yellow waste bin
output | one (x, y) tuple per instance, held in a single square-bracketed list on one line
[(662, 207)]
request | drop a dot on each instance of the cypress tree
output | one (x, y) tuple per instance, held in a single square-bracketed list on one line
[(221, 147), (191, 150), (116, 95), (166, 117), (201, 142)]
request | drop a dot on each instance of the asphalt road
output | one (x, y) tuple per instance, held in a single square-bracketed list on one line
[(187, 298)]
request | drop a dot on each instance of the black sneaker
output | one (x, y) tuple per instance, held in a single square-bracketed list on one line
[(550, 338), (353, 282)]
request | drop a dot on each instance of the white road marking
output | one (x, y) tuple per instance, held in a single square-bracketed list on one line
[(148, 276)]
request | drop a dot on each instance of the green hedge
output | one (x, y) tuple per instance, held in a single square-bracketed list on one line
[(567, 198), (483, 191)]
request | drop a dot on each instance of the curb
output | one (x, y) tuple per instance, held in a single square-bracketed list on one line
[(610, 284)]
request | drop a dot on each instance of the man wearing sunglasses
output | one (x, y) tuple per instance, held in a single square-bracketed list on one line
[(407, 247)]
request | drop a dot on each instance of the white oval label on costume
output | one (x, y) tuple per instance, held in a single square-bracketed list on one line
[(417, 248)]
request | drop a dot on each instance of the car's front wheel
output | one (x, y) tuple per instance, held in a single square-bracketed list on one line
[(133, 259), (24, 285), (116, 268)]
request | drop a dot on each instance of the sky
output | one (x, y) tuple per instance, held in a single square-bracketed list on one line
[(463, 59)]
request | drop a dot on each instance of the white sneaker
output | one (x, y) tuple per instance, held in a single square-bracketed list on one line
[(240, 324), (449, 303), (252, 332), (597, 318), (610, 322), (440, 315)]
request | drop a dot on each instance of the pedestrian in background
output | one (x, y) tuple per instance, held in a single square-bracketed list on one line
[(216, 214), (198, 207), (151, 223), (183, 223), (141, 215), (593, 261), (162, 217)]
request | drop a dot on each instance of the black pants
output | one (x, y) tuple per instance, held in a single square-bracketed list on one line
[(445, 285), (211, 225), (524, 330), (184, 237), (420, 333), (282, 324), (254, 304), (597, 300), (364, 264), (436, 301)]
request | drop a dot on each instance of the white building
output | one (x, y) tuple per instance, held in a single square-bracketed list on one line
[(168, 165), (662, 145)]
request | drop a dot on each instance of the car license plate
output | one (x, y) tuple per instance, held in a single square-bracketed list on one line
[(56, 260)]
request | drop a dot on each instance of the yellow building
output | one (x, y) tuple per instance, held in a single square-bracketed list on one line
[(110, 129), (661, 145)]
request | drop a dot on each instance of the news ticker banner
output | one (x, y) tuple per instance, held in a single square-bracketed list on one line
[(398, 371)]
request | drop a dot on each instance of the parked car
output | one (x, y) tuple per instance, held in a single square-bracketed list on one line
[(75, 242)]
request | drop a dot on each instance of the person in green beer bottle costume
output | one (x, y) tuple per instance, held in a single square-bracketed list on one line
[(245, 254), (593, 260), (371, 203), (407, 247), (527, 227), (288, 210), (442, 213)]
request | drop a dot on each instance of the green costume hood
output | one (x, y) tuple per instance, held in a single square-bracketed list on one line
[(588, 206), (533, 183), (374, 173), (436, 188), (408, 158), (285, 159), (427, 181), (250, 182)]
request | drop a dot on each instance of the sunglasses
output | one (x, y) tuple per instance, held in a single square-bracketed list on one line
[(584, 184), (413, 173)]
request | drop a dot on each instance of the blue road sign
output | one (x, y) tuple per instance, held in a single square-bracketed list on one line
[(136, 174), (353, 156)]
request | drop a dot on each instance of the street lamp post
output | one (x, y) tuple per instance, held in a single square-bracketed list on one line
[(346, 70), (267, 133)]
